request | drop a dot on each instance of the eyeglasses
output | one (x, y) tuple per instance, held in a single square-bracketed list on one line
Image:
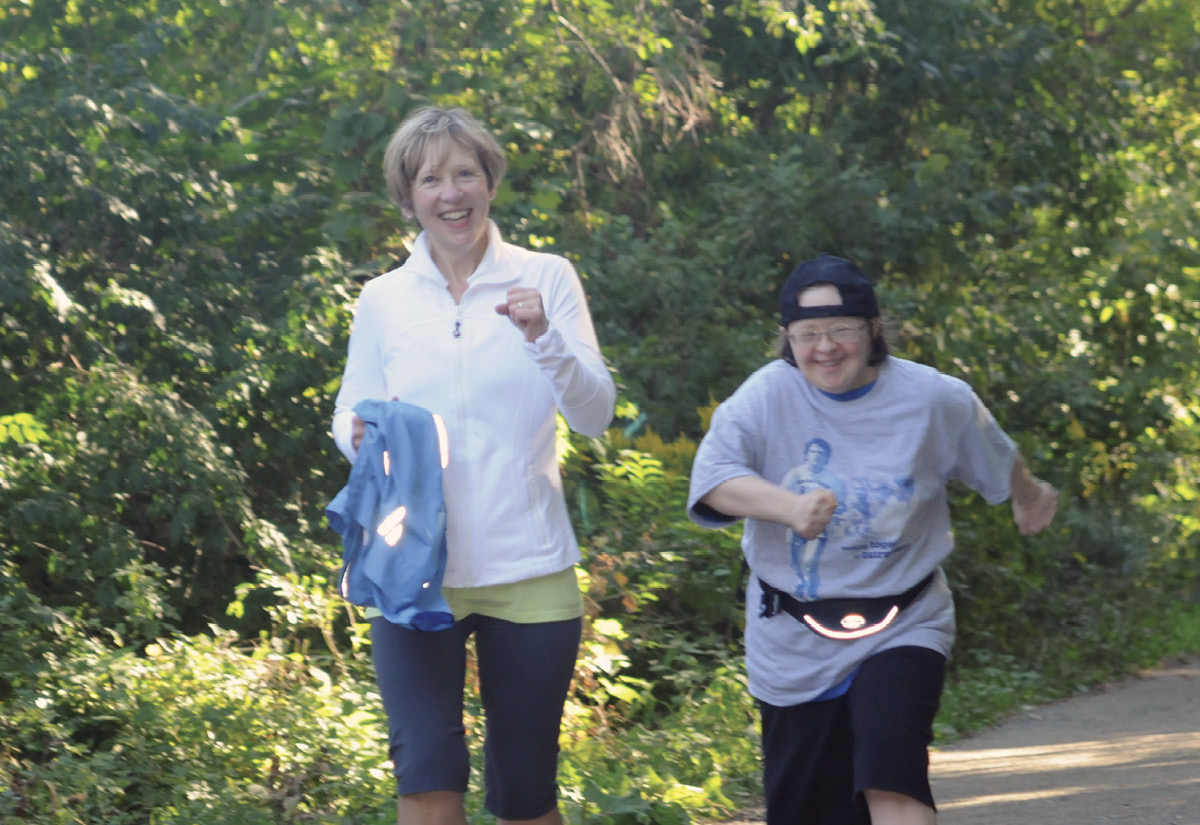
[(839, 335)]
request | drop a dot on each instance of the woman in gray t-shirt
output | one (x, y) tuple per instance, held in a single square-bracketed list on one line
[(838, 455)]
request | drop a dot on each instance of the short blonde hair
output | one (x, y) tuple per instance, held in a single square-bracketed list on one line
[(429, 130)]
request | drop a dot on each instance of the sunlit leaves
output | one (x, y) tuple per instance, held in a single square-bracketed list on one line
[(21, 428), (191, 197)]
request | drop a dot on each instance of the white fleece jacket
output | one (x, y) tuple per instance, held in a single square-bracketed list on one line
[(498, 395)]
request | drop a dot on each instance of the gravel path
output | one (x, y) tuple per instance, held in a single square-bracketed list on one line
[(1128, 752)]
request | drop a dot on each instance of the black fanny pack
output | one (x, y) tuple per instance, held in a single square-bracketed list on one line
[(840, 618)]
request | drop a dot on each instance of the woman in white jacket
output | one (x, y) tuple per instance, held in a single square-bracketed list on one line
[(495, 339)]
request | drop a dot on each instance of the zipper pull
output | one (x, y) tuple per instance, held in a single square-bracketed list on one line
[(458, 327)]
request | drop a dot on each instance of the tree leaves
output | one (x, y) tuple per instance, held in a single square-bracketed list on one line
[(190, 197)]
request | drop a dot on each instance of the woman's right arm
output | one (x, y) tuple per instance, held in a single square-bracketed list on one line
[(362, 378), (752, 496)]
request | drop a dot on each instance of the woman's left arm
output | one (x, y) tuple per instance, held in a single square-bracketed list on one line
[(566, 351), (985, 452), (1034, 501)]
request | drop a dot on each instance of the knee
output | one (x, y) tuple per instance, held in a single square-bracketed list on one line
[(891, 808), (431, 808)]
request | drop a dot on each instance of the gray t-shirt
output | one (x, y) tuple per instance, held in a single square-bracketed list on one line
[(887, 456)]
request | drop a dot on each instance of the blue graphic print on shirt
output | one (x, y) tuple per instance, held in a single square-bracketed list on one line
[(867, 511)]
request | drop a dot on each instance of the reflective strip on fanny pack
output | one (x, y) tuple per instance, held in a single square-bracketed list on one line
[(852, 634)]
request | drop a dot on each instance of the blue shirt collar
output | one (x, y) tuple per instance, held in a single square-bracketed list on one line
[(848, 396)]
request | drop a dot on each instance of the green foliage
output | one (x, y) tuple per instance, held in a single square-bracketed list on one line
[(129, 511), (21, 428), (659, 682), (189, 198), (697, 761), (644, 557), (206, 729)]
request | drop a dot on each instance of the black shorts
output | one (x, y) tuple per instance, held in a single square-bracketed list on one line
[(819, 757), (524, 673)]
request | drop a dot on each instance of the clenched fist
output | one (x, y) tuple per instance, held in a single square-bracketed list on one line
[(812, 513), (1034, 510)]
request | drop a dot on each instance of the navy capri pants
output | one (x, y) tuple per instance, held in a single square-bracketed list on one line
[(524, 673)]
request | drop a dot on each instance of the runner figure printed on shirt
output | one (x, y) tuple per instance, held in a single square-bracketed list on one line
[(863, 519), (812, 475)]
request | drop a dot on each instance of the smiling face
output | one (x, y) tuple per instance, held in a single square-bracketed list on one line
[(836, 361), (451, 199)]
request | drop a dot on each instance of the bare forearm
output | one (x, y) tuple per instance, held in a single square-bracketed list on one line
[(1034, 501), (754, 497), (1022, 482)]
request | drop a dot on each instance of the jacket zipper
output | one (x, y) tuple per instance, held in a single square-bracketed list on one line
[(466, 558)]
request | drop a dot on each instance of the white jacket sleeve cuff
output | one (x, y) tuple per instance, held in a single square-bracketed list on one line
[(343, 433)]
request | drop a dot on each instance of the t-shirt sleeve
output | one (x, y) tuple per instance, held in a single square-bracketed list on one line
[(732, 447), (985, 454)]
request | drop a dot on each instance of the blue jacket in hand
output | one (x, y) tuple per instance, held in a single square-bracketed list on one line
[(392, 517)]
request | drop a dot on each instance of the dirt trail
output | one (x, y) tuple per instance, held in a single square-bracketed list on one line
[(1128, 752)]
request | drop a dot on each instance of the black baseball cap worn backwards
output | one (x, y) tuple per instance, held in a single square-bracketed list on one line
[(858, 296)]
